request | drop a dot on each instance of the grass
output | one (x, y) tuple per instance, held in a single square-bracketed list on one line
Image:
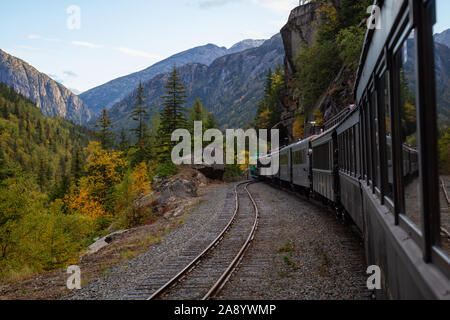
[(287, 248), (128, 254), (324, 259)]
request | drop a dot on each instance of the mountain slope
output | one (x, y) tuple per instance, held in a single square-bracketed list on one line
[(114, 91), (36, 144), (443, 38), (230, 87), (50, 96)]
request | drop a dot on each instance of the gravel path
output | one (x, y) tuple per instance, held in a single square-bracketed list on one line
[(300, 251), (200, 225)]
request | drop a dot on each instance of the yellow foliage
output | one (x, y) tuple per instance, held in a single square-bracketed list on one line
[(140, 180), (264, 119), (318, 116), (84, 201), (299, 127)]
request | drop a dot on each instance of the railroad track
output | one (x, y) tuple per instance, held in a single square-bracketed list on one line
[(445, 209), (207, 273)]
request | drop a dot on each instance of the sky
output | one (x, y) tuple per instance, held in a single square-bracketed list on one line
[(113, 38)]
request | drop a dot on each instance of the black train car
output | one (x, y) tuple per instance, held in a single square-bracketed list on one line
[(350, 168), (396, 97)]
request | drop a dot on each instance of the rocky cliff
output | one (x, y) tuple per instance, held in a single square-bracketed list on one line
[(298, 31), (116, 90), (50, 96)]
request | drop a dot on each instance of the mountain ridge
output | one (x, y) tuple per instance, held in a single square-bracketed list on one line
[(230, 87), (443, 37), (114, 91), (51, 97)]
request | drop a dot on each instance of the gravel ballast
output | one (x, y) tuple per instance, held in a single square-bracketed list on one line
[(301, 251)]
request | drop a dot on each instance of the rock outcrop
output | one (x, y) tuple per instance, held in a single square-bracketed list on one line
[(50, 96), (298, 31)]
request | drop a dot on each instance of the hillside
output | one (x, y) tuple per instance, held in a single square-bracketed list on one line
[(50, 96), (30, 142), (230, 87), (114, 91)]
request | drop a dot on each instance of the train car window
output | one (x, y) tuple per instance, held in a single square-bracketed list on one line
[(284, 159), (368, 144), (357, 151), (321, 157), (388, 173), (299, 157), (346, 151), (363, 143), (405, 60), (352, 150), (375, 141), (443, 123)]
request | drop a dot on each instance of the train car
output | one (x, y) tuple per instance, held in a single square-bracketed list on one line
[(301, 165), (349, 150), (399, 187), (285, 166), (324, 165), (365, 167)]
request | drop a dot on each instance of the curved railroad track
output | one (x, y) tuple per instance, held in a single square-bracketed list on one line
[(206, 274)]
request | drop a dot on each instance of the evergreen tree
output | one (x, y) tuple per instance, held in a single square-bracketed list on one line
[(211, 122), (174, 114), (77, 166), (140, 115), (105, 135), (124, 143)]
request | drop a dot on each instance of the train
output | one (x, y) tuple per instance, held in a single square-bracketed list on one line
[(376, 164)]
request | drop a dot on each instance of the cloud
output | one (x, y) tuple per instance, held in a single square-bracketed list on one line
[(28, 48), (282, 7), (206, 4), (86, 44), (137, 53), (38, 37), (70, 74)]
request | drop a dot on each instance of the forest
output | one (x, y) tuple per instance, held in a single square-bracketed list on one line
[(62, 185)]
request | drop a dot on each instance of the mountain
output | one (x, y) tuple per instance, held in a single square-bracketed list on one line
[(443, 38), (230, 87), (442, 71), (50, 96), (442, 60), (114, 91)]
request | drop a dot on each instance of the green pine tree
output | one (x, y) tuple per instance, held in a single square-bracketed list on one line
[(105, 135), (140, 114), (174, 114)]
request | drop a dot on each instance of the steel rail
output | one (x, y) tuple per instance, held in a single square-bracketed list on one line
[(233, 265), (203, 254)]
